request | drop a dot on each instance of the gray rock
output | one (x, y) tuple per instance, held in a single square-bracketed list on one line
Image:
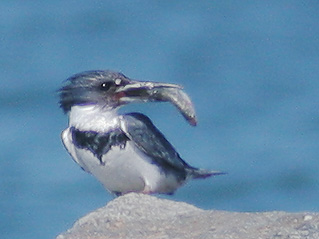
[(143, 216)]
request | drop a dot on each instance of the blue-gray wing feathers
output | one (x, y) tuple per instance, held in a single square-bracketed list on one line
[(151, 141)]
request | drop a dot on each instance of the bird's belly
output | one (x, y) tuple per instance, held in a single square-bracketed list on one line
[(127, 169)]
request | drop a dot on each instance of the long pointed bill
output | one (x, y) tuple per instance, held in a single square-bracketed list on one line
[(161, 92)]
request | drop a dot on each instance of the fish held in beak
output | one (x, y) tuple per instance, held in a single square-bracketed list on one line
[(177, 97)]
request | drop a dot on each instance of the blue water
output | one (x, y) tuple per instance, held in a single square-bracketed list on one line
[(250, 67)]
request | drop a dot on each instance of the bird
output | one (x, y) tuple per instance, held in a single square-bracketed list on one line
[(125, 152)]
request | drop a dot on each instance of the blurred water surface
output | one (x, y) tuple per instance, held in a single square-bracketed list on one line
[(250, 67)]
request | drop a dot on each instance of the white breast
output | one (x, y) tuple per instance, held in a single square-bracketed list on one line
[(126, 170), (123, 169)]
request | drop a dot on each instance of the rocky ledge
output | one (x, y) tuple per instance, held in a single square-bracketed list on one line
[(143, 216)]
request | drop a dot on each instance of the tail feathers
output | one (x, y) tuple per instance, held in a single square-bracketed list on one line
[(202, 173)]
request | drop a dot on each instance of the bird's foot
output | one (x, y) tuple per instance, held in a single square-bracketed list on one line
[(147, 190)]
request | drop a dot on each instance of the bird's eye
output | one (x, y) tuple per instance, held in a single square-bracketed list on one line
[(106, 86)]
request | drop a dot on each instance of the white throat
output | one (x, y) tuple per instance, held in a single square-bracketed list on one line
[(93, 117)]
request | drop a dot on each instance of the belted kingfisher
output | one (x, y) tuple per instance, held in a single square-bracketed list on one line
[(125, 152)]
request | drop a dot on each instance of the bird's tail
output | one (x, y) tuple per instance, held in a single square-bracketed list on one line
[(202, 173)]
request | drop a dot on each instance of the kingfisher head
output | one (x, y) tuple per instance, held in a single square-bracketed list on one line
[(110, 90)]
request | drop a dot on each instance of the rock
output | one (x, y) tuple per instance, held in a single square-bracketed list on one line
[(143, 216)]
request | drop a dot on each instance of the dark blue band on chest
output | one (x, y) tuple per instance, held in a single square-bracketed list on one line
[(98, 143)]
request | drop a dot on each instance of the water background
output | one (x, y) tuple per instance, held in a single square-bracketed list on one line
[(250, 67)]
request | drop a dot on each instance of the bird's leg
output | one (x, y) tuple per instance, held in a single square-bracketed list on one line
[(147, 190)]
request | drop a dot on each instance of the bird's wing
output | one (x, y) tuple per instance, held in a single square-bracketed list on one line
[(151, 141), (70, 147)]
